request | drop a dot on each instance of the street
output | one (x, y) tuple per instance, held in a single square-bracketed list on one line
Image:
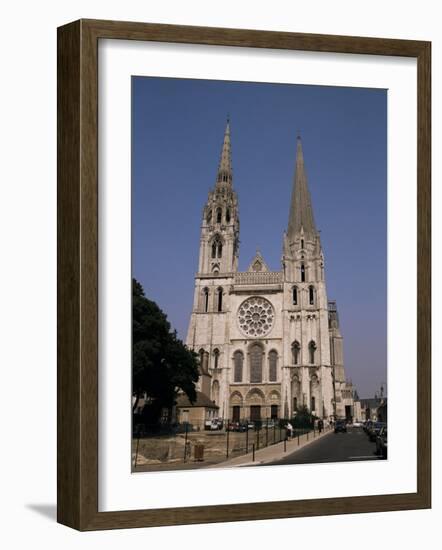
[(353, 445)]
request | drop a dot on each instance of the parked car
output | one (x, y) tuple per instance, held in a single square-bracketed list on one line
[(374, 430), (367, 425), (381, 442), (216, 424), (237, 427), (340, 426), (357, 424)]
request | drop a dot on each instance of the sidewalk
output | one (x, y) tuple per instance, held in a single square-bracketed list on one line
[(273, 453)]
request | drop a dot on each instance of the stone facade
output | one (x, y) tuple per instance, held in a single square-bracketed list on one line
[(269, 342)]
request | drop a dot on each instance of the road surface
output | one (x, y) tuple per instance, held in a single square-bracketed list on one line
[(353, 445)]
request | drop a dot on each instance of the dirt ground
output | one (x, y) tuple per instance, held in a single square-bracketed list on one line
[(167, 452)]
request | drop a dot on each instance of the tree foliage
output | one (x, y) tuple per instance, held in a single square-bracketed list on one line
[(303, 418), (162, 365)]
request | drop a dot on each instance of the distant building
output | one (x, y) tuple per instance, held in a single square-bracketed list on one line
[(374, 409), (269, 342), (195, 413)]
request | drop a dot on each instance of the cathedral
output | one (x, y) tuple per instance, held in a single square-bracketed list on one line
[(268, 342)]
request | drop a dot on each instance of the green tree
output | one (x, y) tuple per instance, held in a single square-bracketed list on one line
[(162, 365), (303, 418)]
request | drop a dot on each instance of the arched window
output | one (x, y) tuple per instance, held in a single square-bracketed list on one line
[(302, 273), (215, 358), (219, 215), (206, 299), (219, 299), (255, 363), (209, 216), (302, 243), (295, 403), (311, 351), (238, 360), (313, 403), (204, 361), (217, 247), (311, 295), (228, 215), (215, 391), (295, 295), (201, 358), (296, 348), (273, 360)]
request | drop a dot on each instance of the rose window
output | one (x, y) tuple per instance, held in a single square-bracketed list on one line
[(256, 316)]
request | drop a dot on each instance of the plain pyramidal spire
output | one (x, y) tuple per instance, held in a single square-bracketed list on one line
[(301, 212), (225, 163)]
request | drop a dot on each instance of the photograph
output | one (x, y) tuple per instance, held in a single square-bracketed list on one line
[(259, 266)]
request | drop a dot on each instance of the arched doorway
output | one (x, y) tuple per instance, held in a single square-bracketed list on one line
[(236, 403)]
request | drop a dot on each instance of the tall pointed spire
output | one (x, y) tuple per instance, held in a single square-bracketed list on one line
[(301, 212), (225, 163)]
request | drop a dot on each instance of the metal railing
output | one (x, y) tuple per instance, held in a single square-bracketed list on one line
[(209, 442)]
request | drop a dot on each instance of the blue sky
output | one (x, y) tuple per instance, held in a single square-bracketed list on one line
[(177, 133)]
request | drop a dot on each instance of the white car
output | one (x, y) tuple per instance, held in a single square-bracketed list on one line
[(216, 424)]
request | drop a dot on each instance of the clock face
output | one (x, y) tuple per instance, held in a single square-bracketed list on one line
[(256, 316)]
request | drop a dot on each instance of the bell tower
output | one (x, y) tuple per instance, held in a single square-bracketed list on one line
[(307, 351), (220, 224), (208, 332)]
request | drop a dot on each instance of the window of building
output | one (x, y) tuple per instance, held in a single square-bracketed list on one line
[(217, 247), (204, 361), (237, 364), (296, 348), (312, 349), (215, 358), (255, 363), (273, 361), (302, 273), (302, 243), (313, 404), (206, 299), (295, 295), (219, 215), (220, 299), (273, 412), (228, 215), (209, 216), (311, 295), (295, 403), (215, 392)]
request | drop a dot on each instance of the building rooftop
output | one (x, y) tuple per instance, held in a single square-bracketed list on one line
[(202, 400)]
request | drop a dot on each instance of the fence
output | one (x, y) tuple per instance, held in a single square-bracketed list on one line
[(209, 442)]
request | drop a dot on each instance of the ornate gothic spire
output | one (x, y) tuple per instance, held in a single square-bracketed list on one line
[(225, 163), (301, 212)]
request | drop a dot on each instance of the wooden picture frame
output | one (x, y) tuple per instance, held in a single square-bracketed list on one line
[(78, 274)]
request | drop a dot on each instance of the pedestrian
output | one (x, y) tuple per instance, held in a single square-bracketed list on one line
[(289, 429), (320, 426)]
